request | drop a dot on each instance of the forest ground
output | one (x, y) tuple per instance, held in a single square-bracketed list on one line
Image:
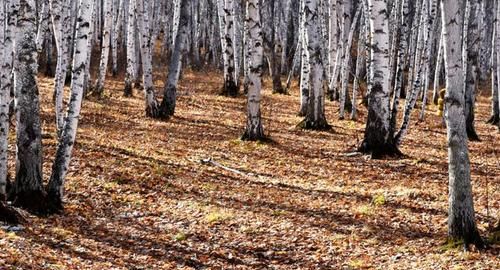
[(139, 197)]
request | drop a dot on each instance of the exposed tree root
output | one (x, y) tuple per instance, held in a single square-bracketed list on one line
[(230, 89), (387, 150), (315, 125), (494, 120), (254, 136), (10, 215), (472, 135), (34, 202)]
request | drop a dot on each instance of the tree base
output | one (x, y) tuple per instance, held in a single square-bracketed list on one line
[(128, 91), (494, 120), (9, 215), (278, 89), (321, 125), (472, 135), (465, 243), (34, 202), (258, 136), (154, 111), (165, 111), (388, 150), (230, 89)]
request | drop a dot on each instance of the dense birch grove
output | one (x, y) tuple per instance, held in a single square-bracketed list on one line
[(393, 57)]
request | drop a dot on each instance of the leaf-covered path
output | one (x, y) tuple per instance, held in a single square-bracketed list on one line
[(140, 197)]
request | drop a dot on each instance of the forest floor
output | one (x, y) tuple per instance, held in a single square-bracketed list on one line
[(140, 197)]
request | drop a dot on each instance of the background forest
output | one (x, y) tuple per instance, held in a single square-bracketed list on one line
[(249, 134)]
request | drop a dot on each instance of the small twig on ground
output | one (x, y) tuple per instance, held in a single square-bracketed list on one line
[(210, 161)]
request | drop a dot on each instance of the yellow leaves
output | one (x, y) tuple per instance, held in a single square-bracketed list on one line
[(378, 200), (365, 210), (217, 216), (180, 236), (62, 233)]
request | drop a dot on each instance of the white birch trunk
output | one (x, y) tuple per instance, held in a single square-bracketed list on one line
[(64, 151), (106, 41), (60, 11), (378, 139), (315, 116), (461, 220), (151, 104), (167, 108), (230, 87), (344, 93), (254, 129), (4, 107), (131, 56)]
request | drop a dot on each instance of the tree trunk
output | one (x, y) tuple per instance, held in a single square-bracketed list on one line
[(151, 103), (131, 56), (305, 69), (60, 10), (378, 139), (315, 116), (106, 42), (461, 221), (27, 191), (167, 108), (254, 130), (55, 188), (5, 67), (229, 88), (471, 62), (346, 69)]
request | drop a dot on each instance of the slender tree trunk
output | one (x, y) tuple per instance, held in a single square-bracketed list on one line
[(254, 129), (167, 108), (315, 116), (344, 93), (146, 58), (437, 71), (106, 42), (461, 221), (115, 34), (55, 188), (131, 59), (229, 88), (305, 69), (4, 106), (402, 48), (471, 61), (360, 66), (495, 100), (60, 10), (43, 26)]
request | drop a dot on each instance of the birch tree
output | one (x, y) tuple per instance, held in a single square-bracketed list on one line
[(461, 220), (472, 65), (4, 108), (230, 87), (147, 59), (27, 191), (106, 42), (167, 108), (315, 115), (254, 47), (55, 188), (130, 75), (60, 10), (378, 140)]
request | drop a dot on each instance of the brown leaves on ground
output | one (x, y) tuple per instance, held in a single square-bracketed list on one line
[(139, 197)]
